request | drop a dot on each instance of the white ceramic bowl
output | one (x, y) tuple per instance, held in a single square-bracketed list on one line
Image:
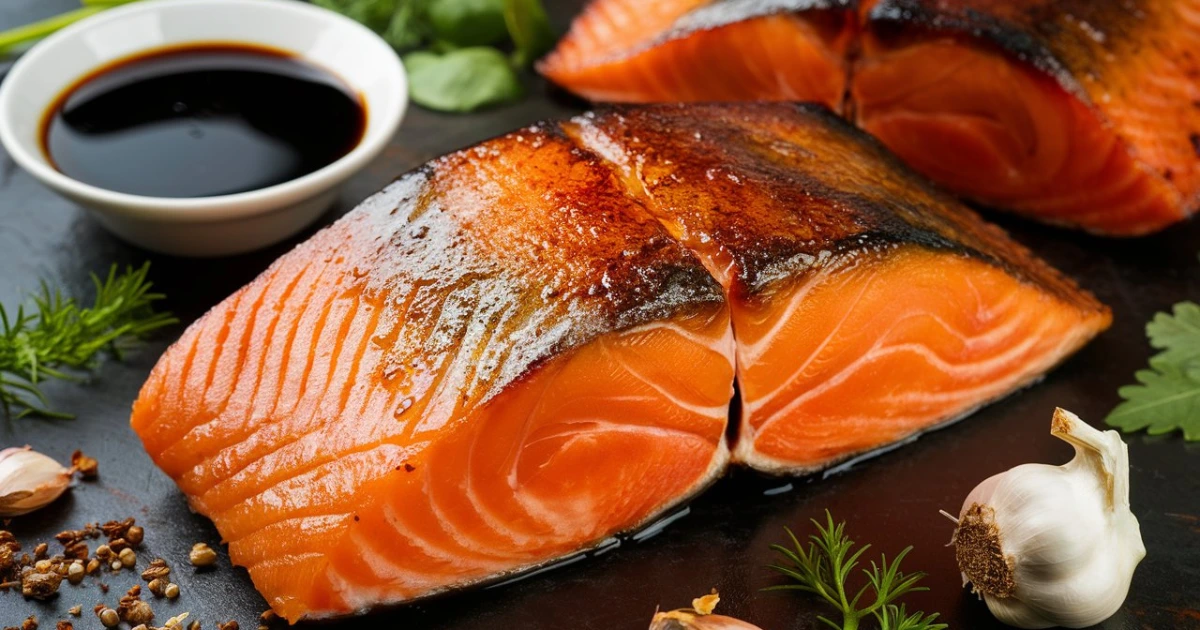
[(219, 225)]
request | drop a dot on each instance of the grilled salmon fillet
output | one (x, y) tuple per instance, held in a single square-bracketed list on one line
[(1079, 113), (698, 50), (473, 373), (529, 346), (1076, 112), (866, 305)]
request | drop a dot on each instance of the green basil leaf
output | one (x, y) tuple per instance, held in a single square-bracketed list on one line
[(406, 28), (529, 28), (468, 22), (462, 80)]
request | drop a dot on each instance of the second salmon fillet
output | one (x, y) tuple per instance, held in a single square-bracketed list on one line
[(527, 347)]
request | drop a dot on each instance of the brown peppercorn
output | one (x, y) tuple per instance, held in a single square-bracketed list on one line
[(202, 555), (75, 572), (88, 467), (30, 623), (37, 585), (128, 557), (108, 617), (135, 535), (171, 590), (158, 569), (75, 610)]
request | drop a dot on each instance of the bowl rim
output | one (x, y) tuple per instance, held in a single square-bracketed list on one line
[(188, 209)]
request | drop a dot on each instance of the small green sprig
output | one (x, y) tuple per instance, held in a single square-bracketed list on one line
[(55, 336), (824, 567), (14, 37)]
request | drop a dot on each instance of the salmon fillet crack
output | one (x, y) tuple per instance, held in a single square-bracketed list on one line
[(524, 348)]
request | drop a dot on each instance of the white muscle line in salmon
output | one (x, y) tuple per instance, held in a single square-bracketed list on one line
[(719, 411), (993, 334), (722, 345), (753, 351), (920, 350), (318, 487), (815, 354)]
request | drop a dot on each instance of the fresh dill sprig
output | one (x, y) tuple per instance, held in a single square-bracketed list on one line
[(53, 334), (823, 568)]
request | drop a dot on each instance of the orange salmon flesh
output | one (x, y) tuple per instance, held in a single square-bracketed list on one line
[(527, 347), (1073, 112)]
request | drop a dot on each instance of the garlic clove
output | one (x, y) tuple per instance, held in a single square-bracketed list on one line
[(1054, 545), (29, 480)]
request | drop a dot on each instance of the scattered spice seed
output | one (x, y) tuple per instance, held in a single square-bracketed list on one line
[(116, 565), (30, 623), (104, 552), (177, 620), (75, 572), (64, 625), (41, 551), (158, 569), (132, 610), (75, 610), (268, 616), (103, 587), (88, 467), (202, 556), (194, 625), (109, 617), (228, 625), (93, 565), (135, 535), (128, 557), (171, 591), (157, 586), (141, 626)]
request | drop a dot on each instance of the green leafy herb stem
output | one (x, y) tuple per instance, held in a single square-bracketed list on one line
[(824, 568), (56, 335), (1167, 397)]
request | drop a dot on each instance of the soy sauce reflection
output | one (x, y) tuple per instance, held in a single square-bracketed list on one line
[(200, 121)]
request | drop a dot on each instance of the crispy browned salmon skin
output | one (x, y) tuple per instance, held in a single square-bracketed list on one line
[(1080, 113), (524, 348)]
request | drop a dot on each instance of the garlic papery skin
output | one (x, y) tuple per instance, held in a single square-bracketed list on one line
[(1054, 545), (29, 480)]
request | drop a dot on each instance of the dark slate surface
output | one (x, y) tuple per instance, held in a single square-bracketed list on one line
[(891, 500)]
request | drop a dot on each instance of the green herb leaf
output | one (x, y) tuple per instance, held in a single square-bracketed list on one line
[(407, 28), (530, 30), (467, 22), (462, 80), (824, 566), (1168, 396), (57, 334)]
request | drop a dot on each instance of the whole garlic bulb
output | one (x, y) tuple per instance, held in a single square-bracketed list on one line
[(1054, 545), (29, 480)]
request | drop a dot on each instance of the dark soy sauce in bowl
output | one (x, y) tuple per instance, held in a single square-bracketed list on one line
[(202, 120)]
